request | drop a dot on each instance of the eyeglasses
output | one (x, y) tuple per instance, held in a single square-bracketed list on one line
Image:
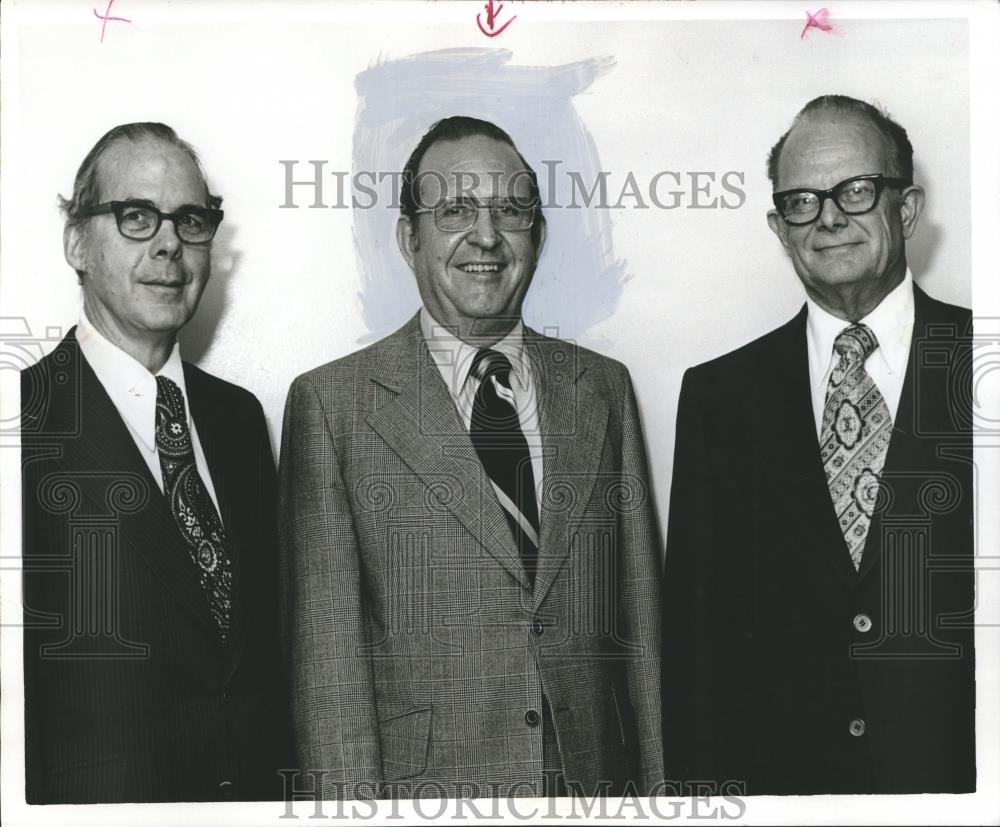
[(855, 196), (139, 221), (459, 214)]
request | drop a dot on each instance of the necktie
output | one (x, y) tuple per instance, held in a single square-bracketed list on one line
[(855, 436), (497, 437), (193, 510)]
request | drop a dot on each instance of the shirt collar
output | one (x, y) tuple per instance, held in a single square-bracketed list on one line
[(131, 387), (454, 356), (891, 322)]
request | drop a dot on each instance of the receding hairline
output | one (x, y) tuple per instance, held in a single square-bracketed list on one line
[(838, 116), (151, 141)]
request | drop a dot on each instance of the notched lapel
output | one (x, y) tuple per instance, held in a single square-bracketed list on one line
[(786, 425), (225, 445), (106, 448), (574, 423), (420, 423)]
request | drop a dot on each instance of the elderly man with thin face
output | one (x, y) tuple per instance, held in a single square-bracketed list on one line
[(467, 527), (150, 647), (818, 581)]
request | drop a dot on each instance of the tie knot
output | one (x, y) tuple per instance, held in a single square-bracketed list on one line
[(488, 363), (856, 343)]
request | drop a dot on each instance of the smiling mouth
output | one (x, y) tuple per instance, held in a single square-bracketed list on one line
[(838, 246), (489, 267)]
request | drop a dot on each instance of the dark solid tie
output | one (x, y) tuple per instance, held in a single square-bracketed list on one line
[(497, 437), (193, 509), (855, 436)]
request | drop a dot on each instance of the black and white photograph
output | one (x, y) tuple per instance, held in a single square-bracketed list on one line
[(499, 412)]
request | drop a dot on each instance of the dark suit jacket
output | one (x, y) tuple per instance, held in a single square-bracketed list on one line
[(766, 660), (420, 652), (129, 696)]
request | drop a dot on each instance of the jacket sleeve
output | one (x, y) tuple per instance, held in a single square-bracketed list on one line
[(323, 609), (640, 603)]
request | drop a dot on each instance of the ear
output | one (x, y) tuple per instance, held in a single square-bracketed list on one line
[(541, 239), (911, 205), (407, 239), (74, 247), (779, 228)]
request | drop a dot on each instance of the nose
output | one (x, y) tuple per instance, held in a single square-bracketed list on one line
[(484, 232), (830, 217), (166, 243)]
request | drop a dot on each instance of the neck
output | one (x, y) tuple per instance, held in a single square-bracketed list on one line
[(151, 350), (852, 302)]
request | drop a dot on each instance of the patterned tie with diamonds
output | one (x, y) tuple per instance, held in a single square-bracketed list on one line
[(499, 441), (857, 426), (193, 509)]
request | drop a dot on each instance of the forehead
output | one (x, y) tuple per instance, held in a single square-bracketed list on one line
[(478, 164), (824, 149), (153, 170)]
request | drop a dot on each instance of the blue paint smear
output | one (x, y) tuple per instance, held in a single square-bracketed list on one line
[(578, 281)]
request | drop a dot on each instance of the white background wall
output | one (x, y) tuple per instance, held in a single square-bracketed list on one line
[(251, 83), (682, 96)]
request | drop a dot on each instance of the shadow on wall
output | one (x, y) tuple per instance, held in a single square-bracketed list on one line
[(579, 281), (196, 338)]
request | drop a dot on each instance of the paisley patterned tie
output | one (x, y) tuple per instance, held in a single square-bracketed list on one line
[(193, 510), (855, 436)]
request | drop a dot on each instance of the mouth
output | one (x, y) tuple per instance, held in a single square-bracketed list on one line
[(846, 245), (484, 267), (165, 286)]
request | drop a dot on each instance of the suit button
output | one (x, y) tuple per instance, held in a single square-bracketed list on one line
[(531, 717), (857, 727), (226, 789), (226, 698), (536, 627), (862, 622)]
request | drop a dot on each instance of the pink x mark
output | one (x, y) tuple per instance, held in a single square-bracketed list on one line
[(820, 20)]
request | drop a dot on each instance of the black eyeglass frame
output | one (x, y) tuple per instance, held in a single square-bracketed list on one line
[(880, 181), (118, 208), (490, 203)]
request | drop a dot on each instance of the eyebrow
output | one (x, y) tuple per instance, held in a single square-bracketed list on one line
[(145, 202)]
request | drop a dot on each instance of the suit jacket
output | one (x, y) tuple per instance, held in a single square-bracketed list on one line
[(784, 668), (129, 695), (420, 654)]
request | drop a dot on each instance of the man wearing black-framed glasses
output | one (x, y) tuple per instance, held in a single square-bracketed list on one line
[(151, 667), (818, 599), (474, 498)]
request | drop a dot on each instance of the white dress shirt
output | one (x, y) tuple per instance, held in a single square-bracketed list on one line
[(132, 389), (892, 324), (453, 358)]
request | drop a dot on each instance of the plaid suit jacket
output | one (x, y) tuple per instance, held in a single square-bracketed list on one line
[(419, 654)]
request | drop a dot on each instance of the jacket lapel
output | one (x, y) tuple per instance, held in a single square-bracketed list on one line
[(574, 423), (106, 446), (905, 447), (420, 423), (785, 417), (223, 443)]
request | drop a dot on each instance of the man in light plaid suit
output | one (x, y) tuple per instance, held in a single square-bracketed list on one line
[(471, 556)]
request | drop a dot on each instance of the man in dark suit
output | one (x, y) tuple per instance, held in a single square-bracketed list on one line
[(818, 582), (150, 645), (467, 524)]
